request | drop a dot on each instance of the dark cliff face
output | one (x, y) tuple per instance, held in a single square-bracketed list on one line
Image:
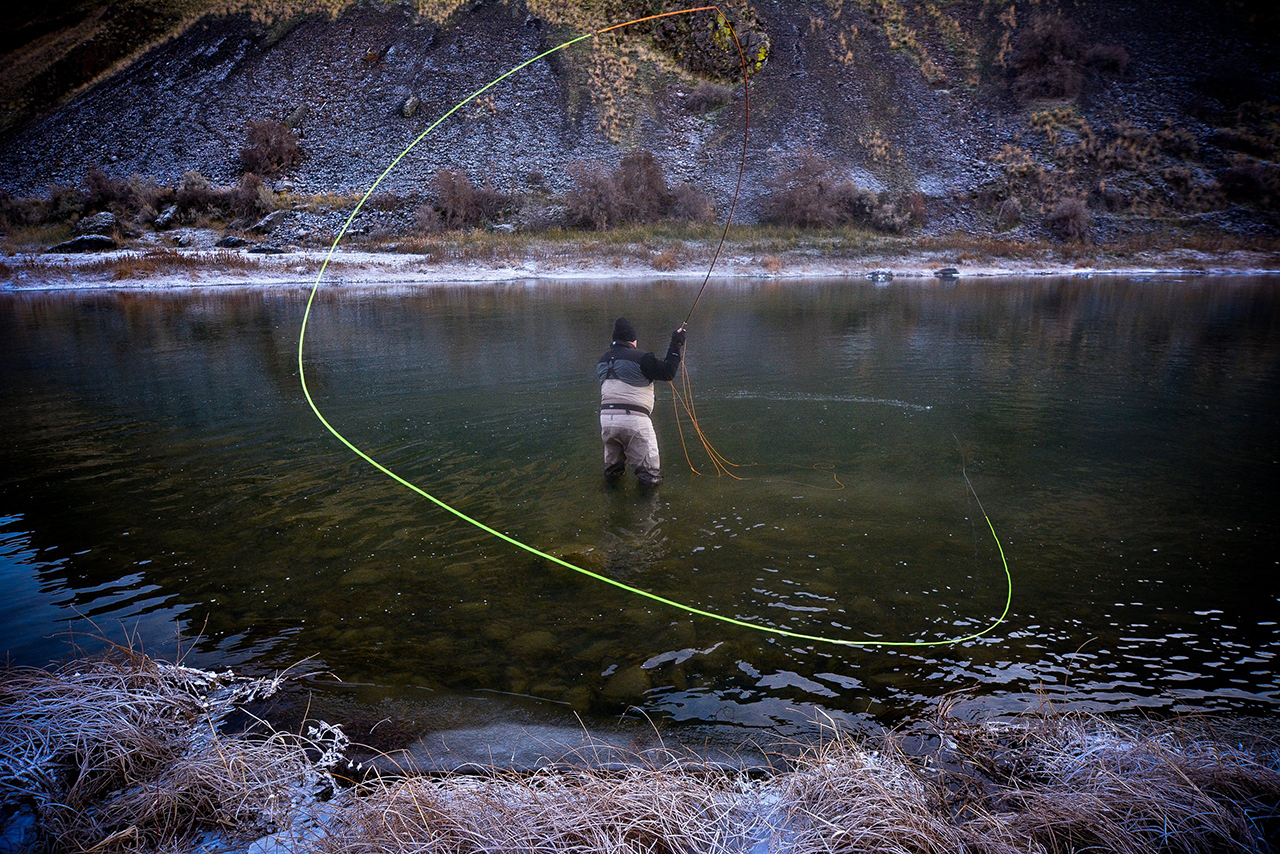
[(904, 97)]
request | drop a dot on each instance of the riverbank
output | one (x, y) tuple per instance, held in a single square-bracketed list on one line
[(127, 754), (752, 253)]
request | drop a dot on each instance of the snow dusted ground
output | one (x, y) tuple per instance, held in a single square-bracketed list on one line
[(299, 267)]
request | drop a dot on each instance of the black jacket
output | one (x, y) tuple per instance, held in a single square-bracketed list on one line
[(627, 375)]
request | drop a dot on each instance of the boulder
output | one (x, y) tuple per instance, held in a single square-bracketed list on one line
[(99, 223), (86, 243), (231, 242), (947, 273), (168, 217), (268, 223), (267, 249)]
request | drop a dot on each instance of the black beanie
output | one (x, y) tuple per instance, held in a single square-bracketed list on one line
[(623, 330)]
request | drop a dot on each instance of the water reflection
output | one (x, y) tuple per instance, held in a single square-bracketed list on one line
[(161, 468)]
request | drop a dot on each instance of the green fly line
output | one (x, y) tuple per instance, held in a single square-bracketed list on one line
[(470, 520)]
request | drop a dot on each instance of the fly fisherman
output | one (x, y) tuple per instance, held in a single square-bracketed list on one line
[(626, 401)]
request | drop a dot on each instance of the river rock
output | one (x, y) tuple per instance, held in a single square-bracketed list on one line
[(86, 243), (364, 575), (579, 699), (497, 630), (231, 242), (99, 223), (679, 635), (266, 249), (410, 106), (626, 685), (533, 645)]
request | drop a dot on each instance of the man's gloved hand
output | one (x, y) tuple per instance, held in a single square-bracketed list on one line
[(677, 337)]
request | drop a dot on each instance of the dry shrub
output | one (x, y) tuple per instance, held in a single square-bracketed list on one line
[(707, 96), (249, 198), (64, 203), (593, 200), (20, 211), (1107, 59), (1180, 182), (272, 148), (1248, 181), (1009, 213), (887, 217), (196, 193), (458, 203), (1069, 220), (427, 220), (667, 260), (689, 204), (915, 206), (642, 188), (135, 197), (1045, 62), (812, 195), (772, 264), (102, 191), (635, 192)]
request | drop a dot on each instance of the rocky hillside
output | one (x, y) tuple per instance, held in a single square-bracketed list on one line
[(987, 115)]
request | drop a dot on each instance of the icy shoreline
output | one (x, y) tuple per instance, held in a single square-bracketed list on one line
[(170, 270)]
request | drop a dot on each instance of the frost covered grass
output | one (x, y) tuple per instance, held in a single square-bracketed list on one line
[(1047, 783), (124, 753), (1085, 783)]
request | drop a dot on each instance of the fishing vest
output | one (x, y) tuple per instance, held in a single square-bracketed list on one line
[(621, 380)]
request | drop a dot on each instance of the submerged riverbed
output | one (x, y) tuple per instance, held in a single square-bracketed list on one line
[(161, 471)]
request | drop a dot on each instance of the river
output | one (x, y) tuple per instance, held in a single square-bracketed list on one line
[(164, 483)]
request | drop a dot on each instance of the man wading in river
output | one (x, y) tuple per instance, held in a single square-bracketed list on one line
[(626, 401)]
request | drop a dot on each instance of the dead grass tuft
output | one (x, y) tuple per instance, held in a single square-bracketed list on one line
[(123, 754), (846, 797), (1085, 783)]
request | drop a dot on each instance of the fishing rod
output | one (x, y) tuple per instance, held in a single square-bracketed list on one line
[(443, 505)]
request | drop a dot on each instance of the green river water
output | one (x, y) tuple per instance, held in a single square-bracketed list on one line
[(163, 480)]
